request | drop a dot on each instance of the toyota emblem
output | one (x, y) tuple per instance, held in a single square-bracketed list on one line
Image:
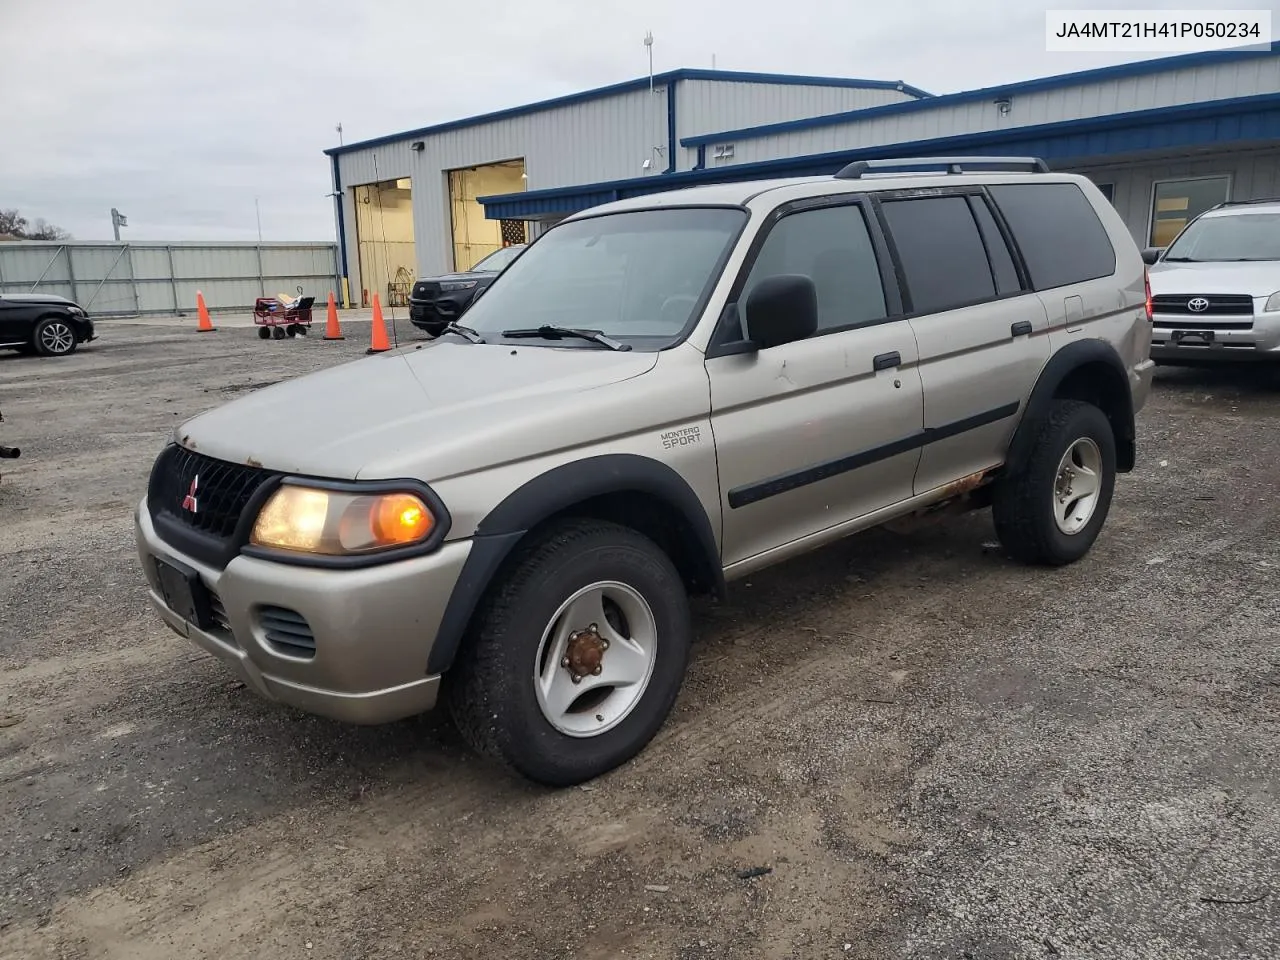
[(1198, 304)]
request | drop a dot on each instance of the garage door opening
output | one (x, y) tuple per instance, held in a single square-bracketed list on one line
[(475, 237), (384, 235)]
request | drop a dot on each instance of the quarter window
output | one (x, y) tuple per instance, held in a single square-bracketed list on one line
[(943, 259), (1058, 232), (831, 246)]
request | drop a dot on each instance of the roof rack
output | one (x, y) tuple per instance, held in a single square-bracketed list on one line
[(1241, 203), (855, 170)]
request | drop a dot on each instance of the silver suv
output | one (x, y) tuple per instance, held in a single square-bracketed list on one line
[(1216, 288), (662, 394)]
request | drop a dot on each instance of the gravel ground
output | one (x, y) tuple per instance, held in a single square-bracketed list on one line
[(935, 752)]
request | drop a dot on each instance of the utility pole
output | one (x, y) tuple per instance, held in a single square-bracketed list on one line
[(339, 129), (118, 220), (258, 212)]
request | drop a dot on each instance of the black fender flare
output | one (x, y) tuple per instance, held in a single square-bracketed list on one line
[(545, 496), (1119, 408)]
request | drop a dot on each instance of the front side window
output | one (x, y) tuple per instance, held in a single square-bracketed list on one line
[(1240, 236), (832, 247), (636, 276), (498, 260)]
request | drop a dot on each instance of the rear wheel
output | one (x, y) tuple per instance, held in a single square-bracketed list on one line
[(278, 333), (575, 659), (264, 333), (1053, 509), (53, 337)]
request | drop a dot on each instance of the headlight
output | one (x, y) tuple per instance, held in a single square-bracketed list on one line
[(339, 523), (75, 311), (448, 285), (1273, 302)]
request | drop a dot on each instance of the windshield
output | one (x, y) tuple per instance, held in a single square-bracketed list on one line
[(1243, 236), (495, 261), (629, 275)]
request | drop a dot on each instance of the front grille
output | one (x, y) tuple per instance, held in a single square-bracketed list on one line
[(287, 631), (425, 290), (219, 491), (1228, 304), (218, 612), (1203, 324)]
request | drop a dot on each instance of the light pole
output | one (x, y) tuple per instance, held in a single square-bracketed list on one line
[(118, 220)]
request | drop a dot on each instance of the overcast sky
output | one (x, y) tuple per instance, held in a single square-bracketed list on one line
[(180, 112)]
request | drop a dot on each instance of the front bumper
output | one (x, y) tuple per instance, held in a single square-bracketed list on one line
[(373, 627), (433, 314), (1186, 338)]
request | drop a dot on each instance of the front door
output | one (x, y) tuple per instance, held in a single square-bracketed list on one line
[(815, 433)]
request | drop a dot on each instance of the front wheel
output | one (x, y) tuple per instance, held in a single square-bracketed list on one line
[(53, 337), (1053, 509), (575, 659)]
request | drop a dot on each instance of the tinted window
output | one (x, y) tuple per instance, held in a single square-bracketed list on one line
[(997, 250), (833, 248), (1059, 234), (942, 255)]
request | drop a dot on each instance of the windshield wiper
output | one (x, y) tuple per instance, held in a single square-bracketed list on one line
[(1180, 260), (465, 332), (548, 332)]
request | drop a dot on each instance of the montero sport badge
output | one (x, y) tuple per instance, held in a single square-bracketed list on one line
[(189, 501)]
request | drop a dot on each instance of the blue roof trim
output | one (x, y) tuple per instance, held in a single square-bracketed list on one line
[(628, 86), (1140, 68), (1239, 118)]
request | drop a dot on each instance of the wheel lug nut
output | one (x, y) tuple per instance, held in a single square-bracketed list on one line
[(565, 663), (596, 671), (575, 678)]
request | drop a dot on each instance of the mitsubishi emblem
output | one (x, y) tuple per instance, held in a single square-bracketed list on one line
[(189, 501)]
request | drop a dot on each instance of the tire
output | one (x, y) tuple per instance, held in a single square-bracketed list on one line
[(1027, 506), (264, 333), (53, 337), (511, 652), (303, 329), (291, 330), (277, 333)]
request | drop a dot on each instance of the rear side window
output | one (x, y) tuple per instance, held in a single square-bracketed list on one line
[(1058, 232), (1002, 268), (943, 259)]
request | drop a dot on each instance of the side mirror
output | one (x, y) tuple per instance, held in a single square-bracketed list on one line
[(782, 309), (1151, 254)]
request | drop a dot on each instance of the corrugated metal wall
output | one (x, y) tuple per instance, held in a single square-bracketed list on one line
[(129, 279), (1220, 81), (585, 142), (1254, 175), (704, 106)]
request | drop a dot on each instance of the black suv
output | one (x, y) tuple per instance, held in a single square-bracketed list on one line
[(438, 301), (42, 323)]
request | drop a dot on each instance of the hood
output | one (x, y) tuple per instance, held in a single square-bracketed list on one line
[(1258, 279), (424, 412), (37, 298)]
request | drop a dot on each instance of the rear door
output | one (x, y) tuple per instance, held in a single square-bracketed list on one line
[(15, 322), (980, 332)]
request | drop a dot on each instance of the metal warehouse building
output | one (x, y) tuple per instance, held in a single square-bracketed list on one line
[(1165, 139)]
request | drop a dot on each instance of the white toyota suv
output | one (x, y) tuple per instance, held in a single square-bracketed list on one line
[(1216, 288)]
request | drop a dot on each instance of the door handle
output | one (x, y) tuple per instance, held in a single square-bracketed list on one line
[(884, 361), (1020, 329)]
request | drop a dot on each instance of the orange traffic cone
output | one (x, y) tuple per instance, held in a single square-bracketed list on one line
[(379, 342), (331, 329), (206, 326)]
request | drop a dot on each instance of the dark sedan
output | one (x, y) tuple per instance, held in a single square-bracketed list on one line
[(436, 302), (44, 324)]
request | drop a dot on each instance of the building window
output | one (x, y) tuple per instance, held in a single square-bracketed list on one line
[(1108, 191), (1175, 203), (512, 232)]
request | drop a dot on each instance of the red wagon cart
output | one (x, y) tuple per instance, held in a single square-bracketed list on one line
[(278, 318)]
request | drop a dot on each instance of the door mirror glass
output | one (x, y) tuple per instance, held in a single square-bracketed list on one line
[(781, 309)]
